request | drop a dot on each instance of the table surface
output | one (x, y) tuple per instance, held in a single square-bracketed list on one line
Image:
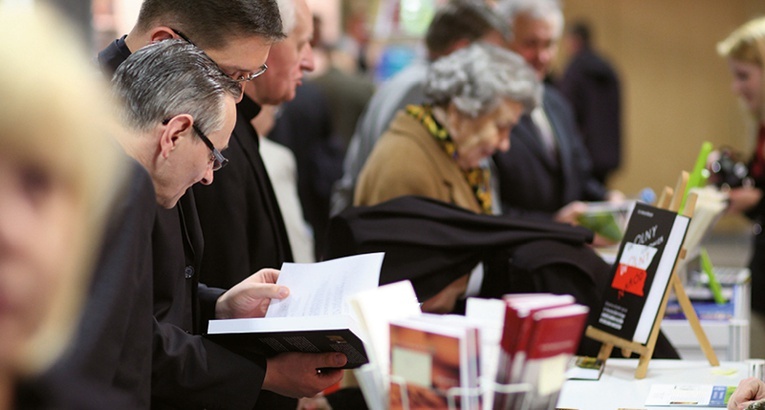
[(619, 389)]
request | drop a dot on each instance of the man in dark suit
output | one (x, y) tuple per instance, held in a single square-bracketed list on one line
[(188, 371), (592, 86), (547, 172), (241, 219), (181, 111)]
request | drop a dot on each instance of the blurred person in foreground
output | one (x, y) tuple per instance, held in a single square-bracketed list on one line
[(744, 50), (548, 173), (59, 175), (455, 25), (749, 391), (441, 149)]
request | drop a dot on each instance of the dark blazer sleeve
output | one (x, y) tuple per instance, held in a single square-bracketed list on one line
[(208, 297), (190, 372)]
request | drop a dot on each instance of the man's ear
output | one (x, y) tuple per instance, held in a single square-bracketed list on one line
[(161, 33), (173, 132)]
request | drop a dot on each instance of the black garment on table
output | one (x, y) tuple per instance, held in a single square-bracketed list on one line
[(432, 243)]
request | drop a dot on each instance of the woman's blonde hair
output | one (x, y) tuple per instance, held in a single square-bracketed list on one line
[(747, 44), (56, 115)]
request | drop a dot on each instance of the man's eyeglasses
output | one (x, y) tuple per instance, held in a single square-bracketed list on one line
[(219, 161), (242, 78)]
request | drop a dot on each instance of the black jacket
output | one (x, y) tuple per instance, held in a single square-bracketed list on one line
[(432, 243), (241, 219), (187, 371), (592, 87)]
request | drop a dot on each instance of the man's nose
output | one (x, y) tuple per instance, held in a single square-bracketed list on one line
[(207, 179)]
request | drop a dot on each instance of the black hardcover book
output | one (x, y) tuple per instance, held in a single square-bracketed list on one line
[(309, 334), (647, 256)]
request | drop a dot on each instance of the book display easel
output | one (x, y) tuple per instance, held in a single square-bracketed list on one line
[(672, 201)]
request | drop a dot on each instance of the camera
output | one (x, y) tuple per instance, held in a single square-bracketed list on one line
[(729, 170)]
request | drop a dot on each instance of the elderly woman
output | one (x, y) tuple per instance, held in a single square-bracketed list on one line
[(58, 173), (441, 149)]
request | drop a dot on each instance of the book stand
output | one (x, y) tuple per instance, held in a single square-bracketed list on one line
[(671, 202), (520, 390)]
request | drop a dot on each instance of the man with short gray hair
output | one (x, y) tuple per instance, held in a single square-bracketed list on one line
[(180, 109), (548, 172), (179, 368)]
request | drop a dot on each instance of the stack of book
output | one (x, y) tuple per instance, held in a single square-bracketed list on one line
[(540, 336)]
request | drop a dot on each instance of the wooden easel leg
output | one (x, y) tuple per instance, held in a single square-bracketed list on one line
[(693, 320), (642, 368), (605, 351)]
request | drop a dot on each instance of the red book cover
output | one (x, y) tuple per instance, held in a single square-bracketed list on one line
[(516, 334), (553, 341)]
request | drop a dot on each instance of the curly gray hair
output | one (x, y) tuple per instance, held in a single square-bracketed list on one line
[(476, 78)]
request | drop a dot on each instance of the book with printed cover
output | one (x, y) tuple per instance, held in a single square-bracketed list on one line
[(644, 265), (585, 368), (434, 361), (689, 395), (606, 219), (553, 340)]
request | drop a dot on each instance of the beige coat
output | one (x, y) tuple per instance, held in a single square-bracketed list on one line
[(407, 160)]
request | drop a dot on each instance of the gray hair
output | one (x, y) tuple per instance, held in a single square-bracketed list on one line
[(476, 78), (287, 13), (537, 9), (170, 78)]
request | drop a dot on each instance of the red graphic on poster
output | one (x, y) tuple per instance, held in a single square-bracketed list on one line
[(630, 279), (631, 272)]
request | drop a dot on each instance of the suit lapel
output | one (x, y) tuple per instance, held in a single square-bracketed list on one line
[(527, 133)]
